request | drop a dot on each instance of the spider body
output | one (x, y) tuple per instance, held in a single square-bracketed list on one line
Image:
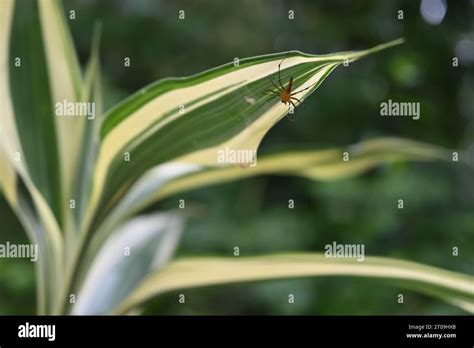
[(286, 95)]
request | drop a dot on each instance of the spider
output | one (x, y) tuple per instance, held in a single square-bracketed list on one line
[(285, 94)]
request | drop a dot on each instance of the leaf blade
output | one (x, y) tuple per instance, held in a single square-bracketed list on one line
[(65, 84), (151, 240), (150, 127), (314, 164), (203, 271), (34, 120)]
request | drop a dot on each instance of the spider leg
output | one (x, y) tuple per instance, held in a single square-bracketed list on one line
[(265, 101), (271, 91), (279, 72), (278, 88), (294, 106), (299, 101), (305, 88)]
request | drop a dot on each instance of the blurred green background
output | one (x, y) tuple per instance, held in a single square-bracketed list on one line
[(253, 214)]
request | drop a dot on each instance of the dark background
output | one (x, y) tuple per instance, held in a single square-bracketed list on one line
[(253, 214)]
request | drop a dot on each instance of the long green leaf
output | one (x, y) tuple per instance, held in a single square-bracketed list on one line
[(321, 164), (35, 122), (188, 119), (151, 241), (65, 84), (91, 92), (21, 125), (324, 164), (22, 204), (193, 272)]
